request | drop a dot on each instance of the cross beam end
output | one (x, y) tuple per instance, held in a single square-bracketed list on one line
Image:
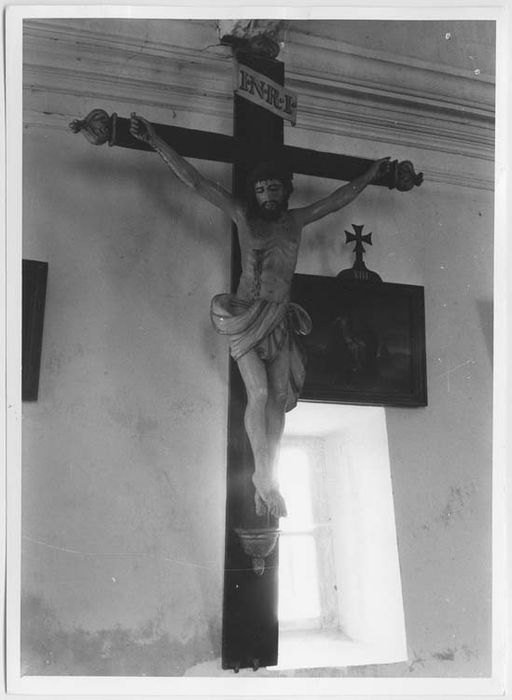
[(400, 175)]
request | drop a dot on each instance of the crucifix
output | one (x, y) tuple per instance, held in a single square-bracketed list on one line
[(257, 316)]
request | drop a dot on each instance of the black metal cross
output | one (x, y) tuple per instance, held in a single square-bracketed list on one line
[(359, 272), (359, 250)]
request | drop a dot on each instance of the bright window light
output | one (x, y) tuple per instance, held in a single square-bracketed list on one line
[(299, 600), (294, 484), (298, 579)]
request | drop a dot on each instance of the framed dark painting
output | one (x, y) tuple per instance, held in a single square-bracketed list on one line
[(34, 280), (367, 345)]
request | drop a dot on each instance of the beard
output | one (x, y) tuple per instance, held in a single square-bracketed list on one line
[(272, 212)]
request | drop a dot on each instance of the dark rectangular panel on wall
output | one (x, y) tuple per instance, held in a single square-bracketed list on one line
[(367, 345), (34, 279), (250, 625)]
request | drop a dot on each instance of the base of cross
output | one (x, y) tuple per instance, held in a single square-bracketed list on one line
[(99, 128)]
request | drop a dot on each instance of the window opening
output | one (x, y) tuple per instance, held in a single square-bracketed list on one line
[(307, 586), (340, 597)]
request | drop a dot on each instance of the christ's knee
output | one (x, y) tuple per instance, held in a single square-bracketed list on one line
[(276, 409), (257, 397), (279, 399)]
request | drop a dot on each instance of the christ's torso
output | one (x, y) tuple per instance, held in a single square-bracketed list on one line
[(269, 252)]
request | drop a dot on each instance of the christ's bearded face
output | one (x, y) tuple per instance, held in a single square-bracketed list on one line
[(271, 198)]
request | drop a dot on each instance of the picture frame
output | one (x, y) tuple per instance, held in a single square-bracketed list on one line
[(367, 343), (34, 281)]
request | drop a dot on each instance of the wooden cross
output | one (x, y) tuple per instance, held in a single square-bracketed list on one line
[(100, 127), (250, 625)]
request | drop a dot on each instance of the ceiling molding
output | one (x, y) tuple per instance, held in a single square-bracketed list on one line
[(466, 180), (389, 94), (307, 41), (181, 70)]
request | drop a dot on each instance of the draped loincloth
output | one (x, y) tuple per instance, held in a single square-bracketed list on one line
[(264, 326)]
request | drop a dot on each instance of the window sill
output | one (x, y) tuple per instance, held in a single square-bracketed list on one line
[(331, 649), (310, 649)]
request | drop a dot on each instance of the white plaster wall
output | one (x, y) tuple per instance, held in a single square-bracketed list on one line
[(124, 453), (441, 455)]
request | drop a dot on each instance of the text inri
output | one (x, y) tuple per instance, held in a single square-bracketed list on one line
[(266, 93)]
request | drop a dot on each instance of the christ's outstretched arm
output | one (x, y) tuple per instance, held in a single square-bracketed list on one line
[(142, 130), (342, 196)]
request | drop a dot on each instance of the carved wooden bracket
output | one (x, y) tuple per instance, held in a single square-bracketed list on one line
[(261, 37)]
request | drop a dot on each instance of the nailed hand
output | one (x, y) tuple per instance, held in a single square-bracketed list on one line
[(141, 129), (379, 169)]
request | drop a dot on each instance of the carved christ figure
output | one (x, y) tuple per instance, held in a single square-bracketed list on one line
[(261, 322)]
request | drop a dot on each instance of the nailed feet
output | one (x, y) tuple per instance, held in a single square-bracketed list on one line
[(267, 498)]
